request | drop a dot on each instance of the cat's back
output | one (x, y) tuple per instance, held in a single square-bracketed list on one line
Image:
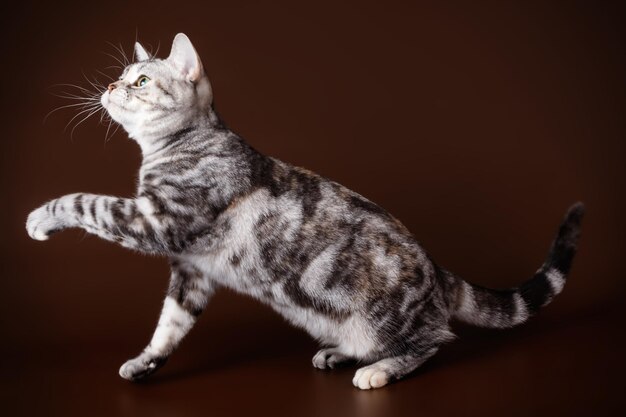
[(324, 203), (295, 226)]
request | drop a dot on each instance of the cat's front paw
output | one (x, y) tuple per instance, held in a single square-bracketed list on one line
[(41, 223), (329, 359), (141, 366)]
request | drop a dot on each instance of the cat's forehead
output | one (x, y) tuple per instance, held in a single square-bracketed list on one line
[(153, 67)]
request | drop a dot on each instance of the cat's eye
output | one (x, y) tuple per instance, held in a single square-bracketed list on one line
[(141, 81)]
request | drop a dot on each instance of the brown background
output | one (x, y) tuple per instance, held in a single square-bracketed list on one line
[(476, 124)]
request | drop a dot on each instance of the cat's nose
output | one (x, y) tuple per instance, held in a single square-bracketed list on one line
[(112, 87)]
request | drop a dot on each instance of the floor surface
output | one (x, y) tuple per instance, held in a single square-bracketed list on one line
[(554, 365)]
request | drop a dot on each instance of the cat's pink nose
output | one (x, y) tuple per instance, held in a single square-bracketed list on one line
[(112, 87)]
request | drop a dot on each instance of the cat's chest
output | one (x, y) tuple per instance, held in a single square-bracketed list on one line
[(219, 267), (239, 275), (237, 257)]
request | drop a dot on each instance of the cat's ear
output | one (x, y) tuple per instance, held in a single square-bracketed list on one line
[(185, 58), (140, 53)]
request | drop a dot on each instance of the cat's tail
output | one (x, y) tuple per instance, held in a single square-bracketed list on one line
[(506, 308)]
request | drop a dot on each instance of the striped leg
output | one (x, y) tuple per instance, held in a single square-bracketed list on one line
[(134, 223), (187, 296)]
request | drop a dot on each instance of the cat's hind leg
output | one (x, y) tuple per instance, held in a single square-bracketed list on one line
[(187, 295), (389, 369)]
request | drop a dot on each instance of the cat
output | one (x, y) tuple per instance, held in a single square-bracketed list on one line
[(326, 258)]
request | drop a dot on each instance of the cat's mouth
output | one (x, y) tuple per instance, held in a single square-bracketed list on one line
[(104, 100), (108, 103)]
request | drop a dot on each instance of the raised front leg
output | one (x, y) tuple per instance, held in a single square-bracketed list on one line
[(139, 224), (186, 297)]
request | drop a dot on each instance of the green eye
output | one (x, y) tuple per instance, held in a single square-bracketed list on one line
[(141, 81)]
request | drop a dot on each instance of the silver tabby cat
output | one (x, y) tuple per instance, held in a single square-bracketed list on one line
[(327, 259)]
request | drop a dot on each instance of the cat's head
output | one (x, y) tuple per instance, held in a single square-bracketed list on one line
[(155, 97)]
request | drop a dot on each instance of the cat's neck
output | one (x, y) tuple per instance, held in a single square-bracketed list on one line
[(206, 124)]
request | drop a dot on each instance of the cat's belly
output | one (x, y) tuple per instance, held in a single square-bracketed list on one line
[(351, 333), (353, 336)]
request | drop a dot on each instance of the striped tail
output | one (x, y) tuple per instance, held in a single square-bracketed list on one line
[(506, 308)]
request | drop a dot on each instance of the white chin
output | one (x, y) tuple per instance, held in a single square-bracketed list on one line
[(105, 99)]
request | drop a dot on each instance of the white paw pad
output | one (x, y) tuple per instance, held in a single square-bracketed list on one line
[(370, 377)]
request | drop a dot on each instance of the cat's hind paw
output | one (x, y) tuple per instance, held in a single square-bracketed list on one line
[(140, 367), (372, 376)]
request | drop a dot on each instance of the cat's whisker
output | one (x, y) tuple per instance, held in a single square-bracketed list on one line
[(157, 49), (95, 84), (110, 136), (83, 94), (106, 75), (153, 53), (106, 135), (121, 51), (68, 106), (86, 90), (98, 87), (77, 116), (136, 40), (69, 96), (82, 120), (103, 114), (115, 58), (104, 117), (117, 67), (114, 131)]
